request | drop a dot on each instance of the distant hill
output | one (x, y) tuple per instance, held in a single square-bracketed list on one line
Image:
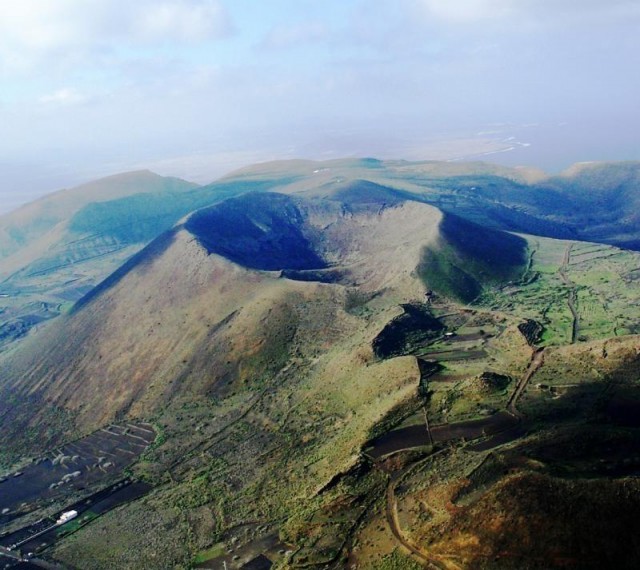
[(590, 201), (48, 260), (606, 198), (56, 249), (30, 223)]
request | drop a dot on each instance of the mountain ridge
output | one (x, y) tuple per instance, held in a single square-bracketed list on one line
[(593, 202), (332, 355), (370, 247)]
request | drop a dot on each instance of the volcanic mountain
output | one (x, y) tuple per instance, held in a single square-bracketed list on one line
[(183, 315), (55, 250), (303, 343)]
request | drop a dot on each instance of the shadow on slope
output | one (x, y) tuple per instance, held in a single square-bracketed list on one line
[(148, 254), (260, 231), (607, 201), (470, 257), (363, 193), (141, 217), (411, 329), (277, 232), (32, 221), (104, 228)]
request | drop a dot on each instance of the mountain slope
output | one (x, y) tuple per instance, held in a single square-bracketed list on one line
[(177, 278), (94, 231), (469, 259), (194, 286), (66, 245), (45, 263), (30, 223), (271, 338), (607, 200), (205, 324)]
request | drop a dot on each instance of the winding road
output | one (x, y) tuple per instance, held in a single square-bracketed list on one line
[(391, 512), (391, 507)]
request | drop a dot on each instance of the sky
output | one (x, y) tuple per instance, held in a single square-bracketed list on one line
[(198, 88)]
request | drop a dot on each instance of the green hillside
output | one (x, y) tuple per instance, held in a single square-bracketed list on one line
[(33, 221)]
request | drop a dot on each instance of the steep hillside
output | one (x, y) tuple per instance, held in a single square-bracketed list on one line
[(341, 374), (268, 232), (46, 264), (607, 199), (183, 328), (469, 259), (27, 227), (91, 237), (260, 300), (179, 283)]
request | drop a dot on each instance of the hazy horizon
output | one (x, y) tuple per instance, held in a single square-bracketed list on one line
[(197, 88)]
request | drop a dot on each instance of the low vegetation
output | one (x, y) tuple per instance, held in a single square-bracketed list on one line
[(352, 379)]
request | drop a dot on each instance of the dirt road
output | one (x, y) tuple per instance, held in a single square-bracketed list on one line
[(573, 294), (391, 512), (537, 360)]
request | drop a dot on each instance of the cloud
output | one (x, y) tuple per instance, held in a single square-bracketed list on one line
[(463, 11), (65, 96), (132, 80), (34, 32), (282, 37), (469, 10), (180, 21)]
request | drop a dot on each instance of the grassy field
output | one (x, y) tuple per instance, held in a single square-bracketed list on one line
[(603, 278)]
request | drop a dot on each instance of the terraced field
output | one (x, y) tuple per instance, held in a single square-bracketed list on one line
[(599, 280), (72, 470)]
